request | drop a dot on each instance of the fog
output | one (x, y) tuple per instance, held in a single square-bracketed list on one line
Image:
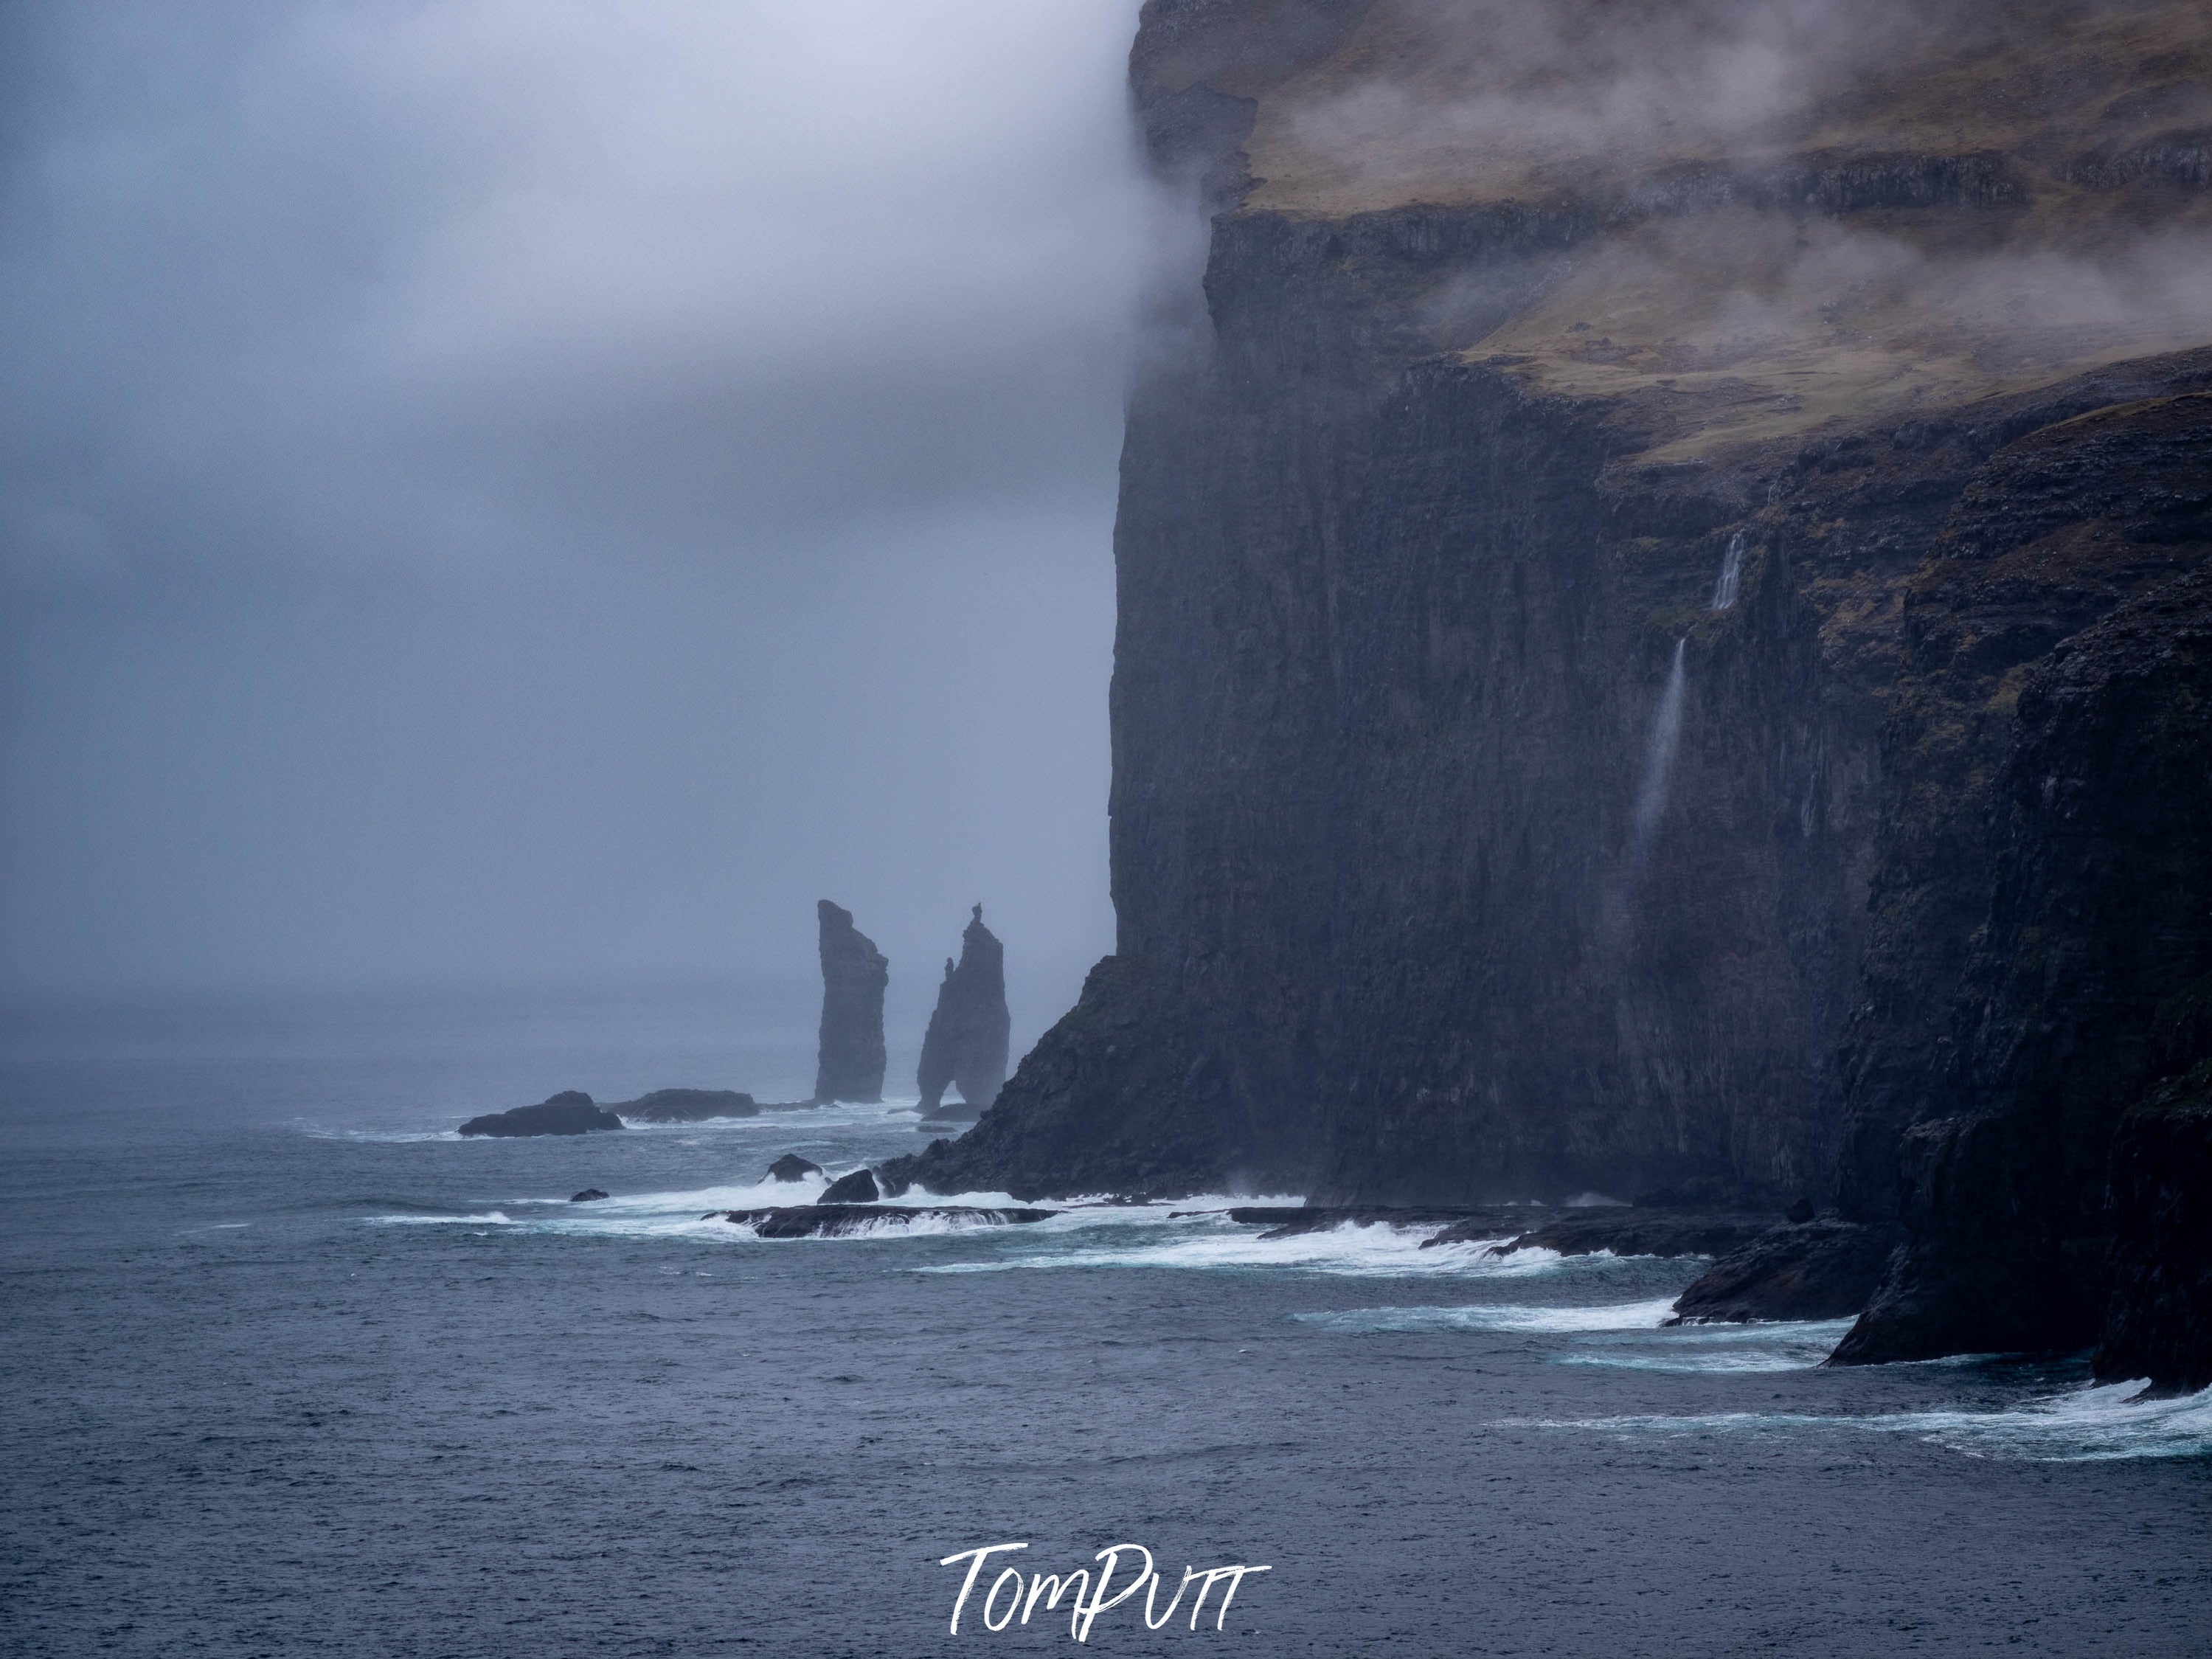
[(528, 491)]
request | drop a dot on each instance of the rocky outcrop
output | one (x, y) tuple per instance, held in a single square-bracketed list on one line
[(858, 1187), (589, 1195), (829, 1220), (1806, 1270), (966, 1044), (685, 1106), (1121, 1096), (851, 1063), (792, 1167), (571, 1112)]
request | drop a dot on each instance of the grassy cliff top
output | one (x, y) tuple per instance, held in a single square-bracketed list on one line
[(1725, 295)]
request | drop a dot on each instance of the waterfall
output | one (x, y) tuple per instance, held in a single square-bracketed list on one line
[(1731, 573), (1659, 755)]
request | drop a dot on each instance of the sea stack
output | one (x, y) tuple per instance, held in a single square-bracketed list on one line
[(850, 1066), (966, 1045)]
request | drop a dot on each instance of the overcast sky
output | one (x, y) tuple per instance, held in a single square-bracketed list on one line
[(538, 488)]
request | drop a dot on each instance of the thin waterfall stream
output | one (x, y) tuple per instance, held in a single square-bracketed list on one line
[(1659, 756)]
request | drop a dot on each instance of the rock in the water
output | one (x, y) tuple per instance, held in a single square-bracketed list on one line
[(685, 1106), (850, 1066), (1817, 1270), (792, 1167), (589, 1195), (2158, 1323), (568, 1113), (966, 1044), (858, 1187), (827, 1220)]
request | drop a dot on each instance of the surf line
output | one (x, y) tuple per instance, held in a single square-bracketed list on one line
[(1086, 1600)]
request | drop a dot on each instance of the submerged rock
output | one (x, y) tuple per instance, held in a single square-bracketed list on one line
[(850, 1062), (792, 1167), (966, 1044), (589, 1195), (568, 1113), (834, 1220), (685, 1106), (858, 1187), (1815, 1270)]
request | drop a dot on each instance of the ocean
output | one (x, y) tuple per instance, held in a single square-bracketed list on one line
[(290, 1368)]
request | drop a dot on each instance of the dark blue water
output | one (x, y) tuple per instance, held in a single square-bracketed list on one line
[(286, 1371)]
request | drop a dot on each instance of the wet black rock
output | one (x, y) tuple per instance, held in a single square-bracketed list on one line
[(589, 1195), (792, 1167), (2158, 1323), (685, 1106), (570, 1113), (831, 1220), (850, 1064), (2097, 922), (1808, 1270), (965, 1047), (1800, 1213), (858, 1187)]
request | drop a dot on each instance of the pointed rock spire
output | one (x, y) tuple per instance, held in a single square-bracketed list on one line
[(966, 1046)]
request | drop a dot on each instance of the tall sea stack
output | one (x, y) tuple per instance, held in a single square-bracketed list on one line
[(966, 1046), (853, 975), (1661, 656)]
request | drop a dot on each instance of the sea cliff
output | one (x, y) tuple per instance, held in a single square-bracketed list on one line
[(1656, 655)]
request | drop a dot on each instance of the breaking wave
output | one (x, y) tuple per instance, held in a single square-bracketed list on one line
[(1509, 1317), (1719, 1350), (2096, 1423), (1211, 1243)]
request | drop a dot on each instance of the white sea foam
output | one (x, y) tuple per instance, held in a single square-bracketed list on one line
[(1352, 1249), (1722, 1350), (2087, 1425), (1495, 1316), (489, 1217)]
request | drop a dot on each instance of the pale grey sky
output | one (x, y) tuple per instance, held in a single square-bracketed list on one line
[(533, 488)]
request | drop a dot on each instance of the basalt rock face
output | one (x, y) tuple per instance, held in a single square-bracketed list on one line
[(965, 1047), (2099, 915), (851, 1063), (1594, 636), (2158, 1322)]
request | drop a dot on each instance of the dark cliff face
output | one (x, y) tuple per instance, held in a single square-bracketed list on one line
[(965, 1045), (2098, 912), (1561, 746), (851, 1061)]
